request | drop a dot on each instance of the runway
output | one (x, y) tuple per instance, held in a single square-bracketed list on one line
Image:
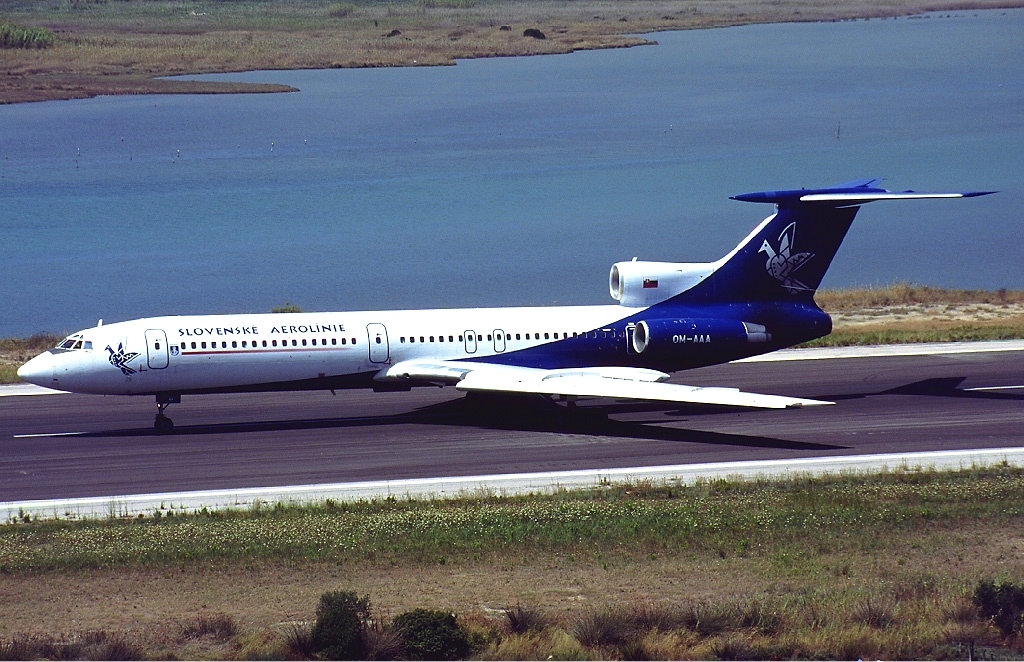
[(67, 446)]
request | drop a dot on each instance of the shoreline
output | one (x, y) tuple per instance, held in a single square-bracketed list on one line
[(131, 49)]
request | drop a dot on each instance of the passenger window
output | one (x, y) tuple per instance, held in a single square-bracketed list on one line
[(234, 344), (295, 343), (451, 339), (204, 345), (303, 342), (224, 344), (334, 341), (421, 339), (193, 345), (314, 341), (460, 339), (517, 336), (274, 343), (489, 337), (431, 338), (344, 341), (378, 340), (546, 336), (353, 341), (156, 345), (480, 337)]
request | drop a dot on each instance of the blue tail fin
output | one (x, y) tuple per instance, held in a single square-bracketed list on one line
[(786, 257)]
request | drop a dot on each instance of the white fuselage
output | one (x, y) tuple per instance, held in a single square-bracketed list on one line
[(229, 352)]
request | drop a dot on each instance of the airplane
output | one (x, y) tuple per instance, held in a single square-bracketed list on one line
[(669, 317)]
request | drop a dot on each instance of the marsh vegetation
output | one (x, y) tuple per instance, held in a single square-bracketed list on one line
[(116, 47)]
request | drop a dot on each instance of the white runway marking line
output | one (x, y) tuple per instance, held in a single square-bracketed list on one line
[(131, 505), (46, 434), (993, 388), (26, 389)]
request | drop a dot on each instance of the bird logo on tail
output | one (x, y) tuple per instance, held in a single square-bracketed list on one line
[(783, 263)]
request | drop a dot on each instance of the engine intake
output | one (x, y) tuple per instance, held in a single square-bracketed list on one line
[(646, 283)]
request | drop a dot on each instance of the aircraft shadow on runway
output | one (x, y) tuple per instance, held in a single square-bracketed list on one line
[(946, 387), (530, 414)]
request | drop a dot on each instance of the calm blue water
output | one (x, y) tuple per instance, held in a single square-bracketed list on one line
[(514, 181)]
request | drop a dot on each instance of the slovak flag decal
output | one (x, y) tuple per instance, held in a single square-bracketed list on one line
[(650, 283)]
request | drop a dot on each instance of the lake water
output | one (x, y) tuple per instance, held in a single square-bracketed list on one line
[(514, 181)]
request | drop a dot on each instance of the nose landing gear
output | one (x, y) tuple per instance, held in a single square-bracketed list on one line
[(162, 424)]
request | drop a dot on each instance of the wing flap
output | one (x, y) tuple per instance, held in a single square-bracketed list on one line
[(585, 382), (596, 386)]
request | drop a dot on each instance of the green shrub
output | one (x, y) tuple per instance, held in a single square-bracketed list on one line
[(340, 623), (1002, 603), (428, 634), (17, 36)]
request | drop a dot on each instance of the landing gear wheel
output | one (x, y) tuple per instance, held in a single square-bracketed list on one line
[(163, 425)]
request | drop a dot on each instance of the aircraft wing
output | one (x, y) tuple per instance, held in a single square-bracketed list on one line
[(595, 382)]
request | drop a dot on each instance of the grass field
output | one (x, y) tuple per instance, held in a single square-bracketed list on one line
[(841, 567), (119, 47)]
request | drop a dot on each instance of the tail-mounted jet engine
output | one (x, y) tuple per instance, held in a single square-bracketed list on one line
[(664, 336), (638, 284)]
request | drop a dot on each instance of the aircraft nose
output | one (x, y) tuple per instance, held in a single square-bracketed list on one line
[(38, 371)]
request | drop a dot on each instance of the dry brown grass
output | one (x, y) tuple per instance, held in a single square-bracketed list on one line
[(839, 603), (117, 47), (900, 295)]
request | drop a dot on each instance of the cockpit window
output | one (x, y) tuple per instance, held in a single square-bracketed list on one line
[(74, 342)]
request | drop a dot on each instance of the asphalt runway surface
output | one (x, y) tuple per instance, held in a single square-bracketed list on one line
[(65, 446)]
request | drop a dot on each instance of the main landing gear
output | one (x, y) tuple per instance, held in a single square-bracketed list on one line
[(162, 424)]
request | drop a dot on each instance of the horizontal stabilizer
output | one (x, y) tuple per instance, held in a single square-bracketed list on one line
[(847, 195)]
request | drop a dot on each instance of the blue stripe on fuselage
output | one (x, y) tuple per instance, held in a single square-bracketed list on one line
[(789, 323)]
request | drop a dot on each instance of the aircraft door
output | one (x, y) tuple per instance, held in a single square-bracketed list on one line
[(377, 335), (470, 341), (156, 349), (499, 340), (630, 330)]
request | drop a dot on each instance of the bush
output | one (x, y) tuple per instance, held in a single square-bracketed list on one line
[(340, 625), (16, 36), (524, 619), (605, 627), (1001, 603), (428, 634)]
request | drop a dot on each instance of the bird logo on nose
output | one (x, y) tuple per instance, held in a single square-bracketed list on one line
[(120, 359)]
